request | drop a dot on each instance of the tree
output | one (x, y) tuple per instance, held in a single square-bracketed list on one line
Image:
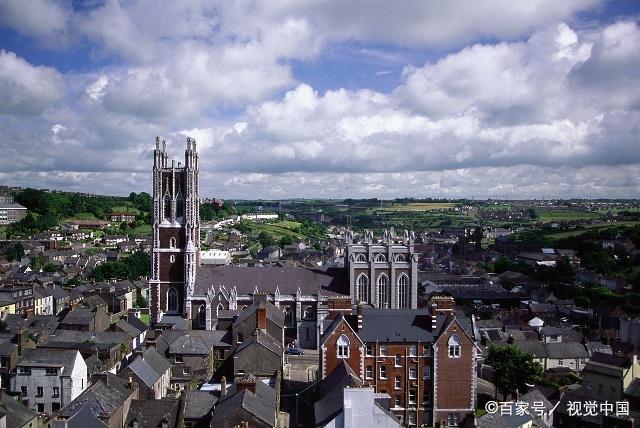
[(514, 368), (15, 253), (286, 240), (265, 239)]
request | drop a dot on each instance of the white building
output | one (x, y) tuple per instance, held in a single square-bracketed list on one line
[(360, 409), (49, 380), (215, 257), (43, 301)]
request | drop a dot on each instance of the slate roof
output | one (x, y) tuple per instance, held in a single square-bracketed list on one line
[(17, 413), (97, 337), (534, 347), (195, 342), (273, 314), (128, 328), (399, 325), (151, 413), (143, 371), (332, 388), (611, 360), (104, 397), (84, 418), (159, 363), (82, 316), (566, 350), (137, 322), (267, 279), (48, 358), (198, 404), (262, 404), (263, 339)]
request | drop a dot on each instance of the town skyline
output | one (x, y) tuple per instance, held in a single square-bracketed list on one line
[(502, 101)]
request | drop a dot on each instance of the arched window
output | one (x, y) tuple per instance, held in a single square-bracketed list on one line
[(172, 242), (342, 346), (363, 288), (384, 292), (361, 257), (288, 316), (399, 258), (454, 346), (403, 291), (179, 207), (308, 313), (218, 309), (167, 207), (172, 300), (380, 257), (201, 317)]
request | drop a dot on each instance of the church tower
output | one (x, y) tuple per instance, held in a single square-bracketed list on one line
[(176, 232)]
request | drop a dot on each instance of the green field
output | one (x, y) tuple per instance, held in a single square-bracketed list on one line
[(82, 216), (419, 206), (589, 228), (125, 209), (279, 229), (552, 215), (144, 230)]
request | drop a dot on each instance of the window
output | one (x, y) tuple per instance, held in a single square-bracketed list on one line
[(56, 391), (288, 316), (172, 258), (560, 362), (398, 382), (412, 351), (40, 407), (383, 372), (342, 345), (172, 300), (39, 391), (23, 390), (360, 257), (26, 371), (172, 242), (426, 350), (454, 346), (384, 292), (399, 258), (403, 291), (51, 371), (398, 360), (55, 406), (369, 372), (588, 386), (178, 359), (380, 258), (383, 350), (412, 396), (453, 419), (369, 350), (413, 372), (308, 313), (240, 337), (427, 372), (412, 418), (426, 397), (363, 288), (397, 401)]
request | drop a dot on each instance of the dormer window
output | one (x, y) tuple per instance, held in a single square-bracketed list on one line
[(454, 346), (342, 345)]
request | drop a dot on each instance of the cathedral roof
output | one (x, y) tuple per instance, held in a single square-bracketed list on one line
[(267, 279)]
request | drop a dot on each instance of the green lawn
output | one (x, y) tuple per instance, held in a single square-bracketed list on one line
[(125, 209), (144, 230), (591, 227), (145, 318), (82, 216)]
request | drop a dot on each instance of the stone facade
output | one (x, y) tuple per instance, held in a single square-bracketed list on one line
[(176, 232), (383, 274)]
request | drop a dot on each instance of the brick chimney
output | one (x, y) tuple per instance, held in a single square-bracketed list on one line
[(360, 317), (441, 305), (261, 318), (247, 382)]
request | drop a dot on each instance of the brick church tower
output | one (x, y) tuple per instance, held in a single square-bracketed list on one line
[(176, 232)]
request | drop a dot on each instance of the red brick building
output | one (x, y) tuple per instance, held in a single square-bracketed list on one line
[(423, 359)]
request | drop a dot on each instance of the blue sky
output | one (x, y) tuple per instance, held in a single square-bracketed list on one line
[(325, 99)]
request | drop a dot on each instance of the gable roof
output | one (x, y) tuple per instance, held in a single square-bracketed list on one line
[(159, 363), (48, 358), (143, 370), (151, 413), (286, 280), (273, 314), (397, 325), (104, 397), (566, 350), (17, 413), (84, 418), (334, 325), (198, 404), (332, 389), (261, 404), (263, 339)]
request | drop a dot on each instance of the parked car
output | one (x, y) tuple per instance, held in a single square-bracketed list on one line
[(294, 351)]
